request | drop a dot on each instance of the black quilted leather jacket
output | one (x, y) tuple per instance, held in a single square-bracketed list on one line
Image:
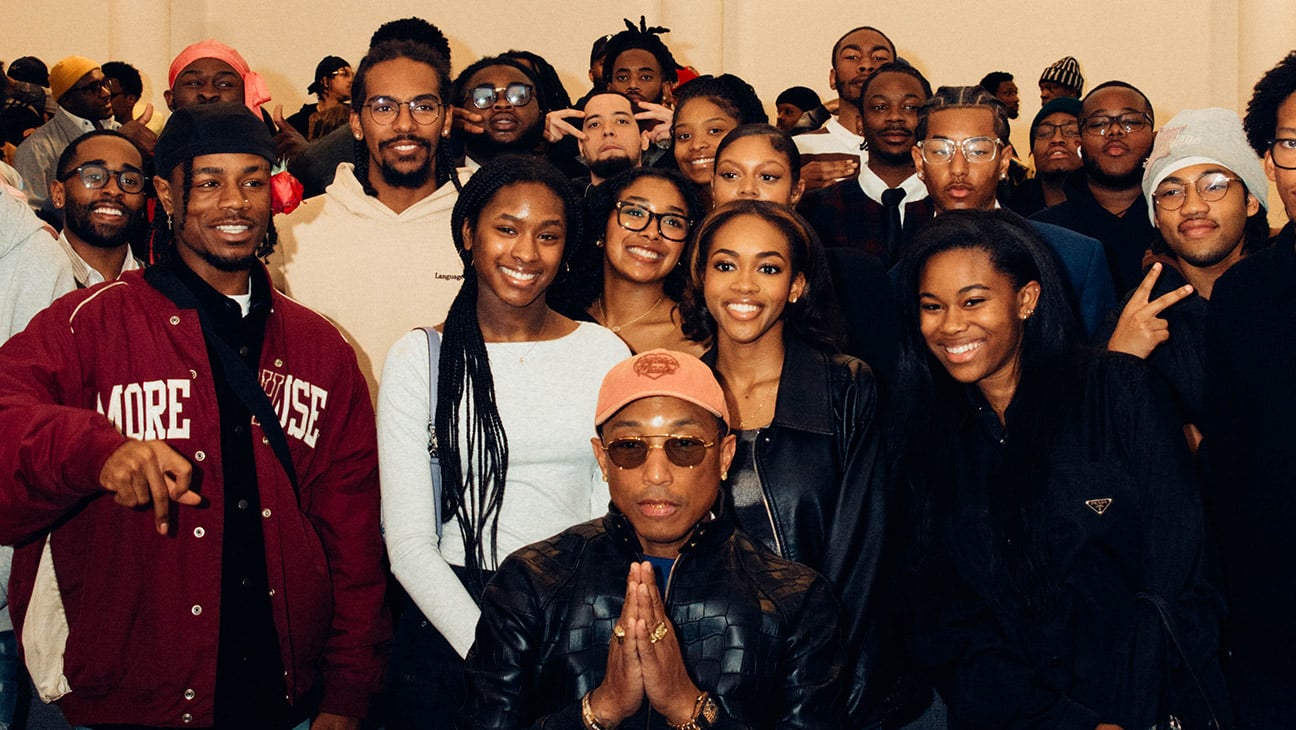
[(757, 631)]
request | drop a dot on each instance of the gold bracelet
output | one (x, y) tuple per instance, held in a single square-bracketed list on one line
[(705, 713), (589, 718)]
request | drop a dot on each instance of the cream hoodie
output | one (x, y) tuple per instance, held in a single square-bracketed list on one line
[(375, 274)]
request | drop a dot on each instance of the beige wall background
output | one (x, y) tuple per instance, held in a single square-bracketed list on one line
[(1188, 54)]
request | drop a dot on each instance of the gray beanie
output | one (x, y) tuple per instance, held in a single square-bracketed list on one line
[(1203, 136), (1065, 71)]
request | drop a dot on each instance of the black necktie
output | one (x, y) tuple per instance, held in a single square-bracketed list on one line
[(891, 233)]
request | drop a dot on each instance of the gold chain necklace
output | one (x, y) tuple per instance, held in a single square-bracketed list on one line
[(760, 406), (617, 328)]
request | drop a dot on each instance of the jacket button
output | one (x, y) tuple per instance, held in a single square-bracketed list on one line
[(193, 374), (186, 718), (278, 363), (200, 455), (243, 351), (242, 504), (196, 610), (265, 512), (189, 694), (175, 319), (265, 440), (199, 532), (272, 592)]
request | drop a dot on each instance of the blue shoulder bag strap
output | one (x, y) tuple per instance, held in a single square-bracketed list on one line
[(434, 456)]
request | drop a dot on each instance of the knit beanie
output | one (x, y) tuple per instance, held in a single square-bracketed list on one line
[(1063, 104), (1203, 136), (211, 129), (1066, 72), (801, 97), (67, 72)]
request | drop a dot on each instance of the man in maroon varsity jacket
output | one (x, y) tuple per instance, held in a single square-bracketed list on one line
[(188, 470)]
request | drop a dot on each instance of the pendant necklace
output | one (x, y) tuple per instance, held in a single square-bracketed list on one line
[(619, 327)]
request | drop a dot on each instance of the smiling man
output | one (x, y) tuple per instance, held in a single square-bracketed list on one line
[(100, 188), (635, 598), (374, 253), (1207, 199), (221, 434), (84, 105)]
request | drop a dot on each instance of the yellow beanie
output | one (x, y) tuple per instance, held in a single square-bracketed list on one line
[(67, 72)]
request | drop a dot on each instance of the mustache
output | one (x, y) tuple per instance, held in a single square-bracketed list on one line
[(405, 138)]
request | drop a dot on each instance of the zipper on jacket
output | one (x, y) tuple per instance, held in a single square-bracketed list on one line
[(669, 579), (765, 498)]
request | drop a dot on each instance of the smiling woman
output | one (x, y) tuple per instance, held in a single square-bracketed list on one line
[(505, 417), (807, 478), (632, 275), (1056, 506)]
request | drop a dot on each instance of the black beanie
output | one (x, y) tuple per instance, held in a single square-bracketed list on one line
[(210, 129)]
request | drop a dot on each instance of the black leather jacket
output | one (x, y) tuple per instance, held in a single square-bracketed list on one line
[(824, 481), (758, 632)]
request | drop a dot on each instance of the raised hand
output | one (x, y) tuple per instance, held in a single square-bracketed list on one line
[(659, 131), (288, 141), (822, 173), (1140, 329), (143, 472), (137, 131), (468, 121), (557, 126)]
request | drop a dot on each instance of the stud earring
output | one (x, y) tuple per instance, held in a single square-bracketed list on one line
[(724, 475)]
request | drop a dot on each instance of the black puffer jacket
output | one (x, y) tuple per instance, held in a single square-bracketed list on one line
[(758, 632)]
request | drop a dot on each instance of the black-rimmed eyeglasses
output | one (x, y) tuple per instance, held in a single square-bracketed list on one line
[(95, 176), (635, 217)]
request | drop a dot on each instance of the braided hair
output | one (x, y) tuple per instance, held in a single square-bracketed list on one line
[(391, 50), (470, 435), (161, 239)]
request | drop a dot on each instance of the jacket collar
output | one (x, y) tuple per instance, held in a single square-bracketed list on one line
[(707, 534), (803, 399)]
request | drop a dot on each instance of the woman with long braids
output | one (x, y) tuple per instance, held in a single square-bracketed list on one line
[(631, 279), (509, 421), (1058, 524)]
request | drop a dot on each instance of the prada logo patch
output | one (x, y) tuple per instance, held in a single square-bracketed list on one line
[(1099, 505)]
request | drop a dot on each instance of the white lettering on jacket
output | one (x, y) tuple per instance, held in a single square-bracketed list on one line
[(149, 410), (298, 404)]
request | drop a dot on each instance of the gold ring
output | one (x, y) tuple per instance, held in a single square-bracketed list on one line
[(619, 633), (658, 632)]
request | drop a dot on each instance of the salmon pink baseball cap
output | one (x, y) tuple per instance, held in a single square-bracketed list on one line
[(660, 372)]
